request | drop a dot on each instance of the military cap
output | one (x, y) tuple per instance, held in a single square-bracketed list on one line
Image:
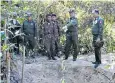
[(71, 10), (95, 11)]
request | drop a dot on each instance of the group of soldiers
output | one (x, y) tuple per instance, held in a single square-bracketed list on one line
[(51, 35)]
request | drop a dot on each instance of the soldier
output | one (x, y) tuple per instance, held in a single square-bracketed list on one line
[(49, 42), (14, 26), (56, 33), (71, 35), (97, 31), (29, 29)]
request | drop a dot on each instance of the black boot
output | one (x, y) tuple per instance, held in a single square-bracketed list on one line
[(66, 58), (54, 58), (96, 62), (74, 59), (49, 57)]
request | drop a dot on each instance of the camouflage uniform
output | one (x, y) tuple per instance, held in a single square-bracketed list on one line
[(57, 36), (49, 39)]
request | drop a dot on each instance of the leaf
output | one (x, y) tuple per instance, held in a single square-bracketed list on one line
[(107, 66), (4, 47), (63, 81)]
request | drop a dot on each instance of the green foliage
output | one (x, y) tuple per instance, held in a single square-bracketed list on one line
[(83, 13)]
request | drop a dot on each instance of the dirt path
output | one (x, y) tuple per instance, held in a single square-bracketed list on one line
[(40, 70)]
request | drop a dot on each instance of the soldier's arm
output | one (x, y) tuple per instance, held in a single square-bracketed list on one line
[(101, 25), (72, 23)]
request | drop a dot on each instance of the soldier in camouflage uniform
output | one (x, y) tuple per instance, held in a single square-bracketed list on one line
[(97, 31), (29, 29), (56, 33), (49, 41), (71, 35)]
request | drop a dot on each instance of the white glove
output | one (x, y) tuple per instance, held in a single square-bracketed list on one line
[(64, 28)]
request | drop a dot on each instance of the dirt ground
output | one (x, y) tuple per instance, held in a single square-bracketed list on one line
[(41, 70)]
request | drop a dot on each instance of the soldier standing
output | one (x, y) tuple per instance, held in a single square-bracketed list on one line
[(71, 35), (56, 33), (29, 29), (49, 42), (97, 31)]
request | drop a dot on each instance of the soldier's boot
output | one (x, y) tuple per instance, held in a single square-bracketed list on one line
[(54, 58), (96, 65), (52, 55), (52, 51), (94, 62), (49, 57), (66, 56)]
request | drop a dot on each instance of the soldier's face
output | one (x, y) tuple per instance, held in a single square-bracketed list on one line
[(72, 14), (54, 18), (95, 15), (49, 18), (29, 18)]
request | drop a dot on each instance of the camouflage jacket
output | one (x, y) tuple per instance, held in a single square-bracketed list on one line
[(56, 29), (48, 29)]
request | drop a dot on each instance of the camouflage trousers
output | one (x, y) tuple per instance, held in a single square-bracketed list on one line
[(57, 46), (49, 44)]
